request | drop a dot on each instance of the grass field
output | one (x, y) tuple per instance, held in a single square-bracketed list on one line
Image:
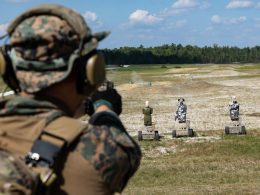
[(207, 90), (210, 163), (228, 165)]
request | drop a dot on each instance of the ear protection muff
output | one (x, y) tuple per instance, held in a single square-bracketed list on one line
[(2, 62), (90, 73), (95, 69), (7, 71)]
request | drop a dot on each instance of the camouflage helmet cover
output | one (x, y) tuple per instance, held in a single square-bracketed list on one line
[(45, 42)]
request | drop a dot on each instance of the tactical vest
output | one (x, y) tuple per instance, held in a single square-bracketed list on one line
[(34, 150)]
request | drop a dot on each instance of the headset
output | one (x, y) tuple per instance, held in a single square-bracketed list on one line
[(90, 63)]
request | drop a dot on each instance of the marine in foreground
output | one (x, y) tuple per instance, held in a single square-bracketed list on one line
[(52, 64)]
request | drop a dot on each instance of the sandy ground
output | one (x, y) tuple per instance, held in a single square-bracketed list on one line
[(207, 91)]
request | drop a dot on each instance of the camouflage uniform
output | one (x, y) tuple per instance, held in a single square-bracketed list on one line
[(104, 157), (148, 111), (234, 111), (181, 112), (107, 151)]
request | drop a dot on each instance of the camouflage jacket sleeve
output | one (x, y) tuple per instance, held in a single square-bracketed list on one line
[(113, 153), (234, 106)]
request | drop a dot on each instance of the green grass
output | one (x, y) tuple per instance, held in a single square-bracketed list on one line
[(145, 73), (127, 76), (230, 165), (248, 66), (154, 72)]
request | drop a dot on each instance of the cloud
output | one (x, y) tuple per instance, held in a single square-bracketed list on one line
[(3, 28), (236, 20), (184, 4), (90, 16), (181, 6), (143, 17), (239, 4), (216, 19)]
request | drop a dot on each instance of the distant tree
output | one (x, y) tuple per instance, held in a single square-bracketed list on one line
[(179, 54)]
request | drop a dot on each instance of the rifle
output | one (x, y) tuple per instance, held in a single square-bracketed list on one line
[(89, 109), (106, 85)]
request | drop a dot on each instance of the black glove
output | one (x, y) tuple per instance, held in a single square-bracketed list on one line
[(89, 108), (109, 97)]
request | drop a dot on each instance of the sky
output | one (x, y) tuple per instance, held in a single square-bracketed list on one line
[(157, 22)]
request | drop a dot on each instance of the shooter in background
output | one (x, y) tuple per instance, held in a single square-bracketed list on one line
[(234, 109), (181, 111), (147, 111)]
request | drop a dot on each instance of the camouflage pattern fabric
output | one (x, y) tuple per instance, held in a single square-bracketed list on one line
[(44, 38), (42, 46), (112, 153), (109, 148), (25, 106), (147, 111), (181, 112), (234, 111), (15, 177)]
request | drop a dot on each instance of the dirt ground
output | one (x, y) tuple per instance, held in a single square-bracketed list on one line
[(207, 90)]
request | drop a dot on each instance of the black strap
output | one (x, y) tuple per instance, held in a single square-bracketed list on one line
[(44, 153)]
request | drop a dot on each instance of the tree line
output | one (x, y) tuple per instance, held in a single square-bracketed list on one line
[(178, 54)]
